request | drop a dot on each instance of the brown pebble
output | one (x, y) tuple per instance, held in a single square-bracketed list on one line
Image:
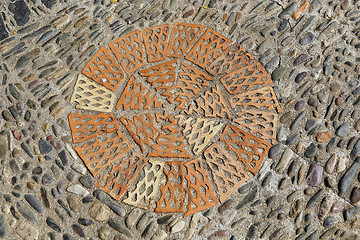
[(336, 207), (330, 164), (323, 136), (17, 134), (338, 101), (335, 87), (204, 228), (220, 233), (357, 125), (355, 195), (188, 13), (225, 206), (31, 185)]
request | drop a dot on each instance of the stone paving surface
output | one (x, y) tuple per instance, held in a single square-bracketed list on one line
[(174, 119)]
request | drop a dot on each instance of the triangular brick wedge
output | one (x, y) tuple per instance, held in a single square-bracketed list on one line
[(207, 48), (201, 195), (87, 126), (210, 104), (262, 124), (190, 82), (141, 128), (92, 96), (103, 69), (118, 180), (162, 78), (249, 149), (170, 143), (183, 35), (201, 132), (144, 193), (263, 99), (101, 154), (172, 193), (128, 49), (234, 57), (246, 79), (137, 96), (228, 174), (156, 42)]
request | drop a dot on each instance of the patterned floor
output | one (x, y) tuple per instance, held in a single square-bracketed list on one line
[(173, 116)]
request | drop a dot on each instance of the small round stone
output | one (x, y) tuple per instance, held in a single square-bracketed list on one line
[(355, 195)]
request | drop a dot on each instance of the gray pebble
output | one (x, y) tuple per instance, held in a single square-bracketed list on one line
[(33, 202), (307, 38), (300, 59), (348, 177), (311, 151), (287, 10), (278, 73), (248, 198), (297, 120), (120, 227), (3, 226), (26, 211), (316, 197), (78, 230), (348, 213), (85, 221), (64, 158), (87, 181), (343, 130), (51, 223), (104, 198), (44, 147), (47, 179), (274, 150)]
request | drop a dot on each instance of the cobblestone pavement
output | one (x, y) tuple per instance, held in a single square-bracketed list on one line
[(177, 119)]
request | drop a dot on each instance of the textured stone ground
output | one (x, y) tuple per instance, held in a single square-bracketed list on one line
[(308, 185)]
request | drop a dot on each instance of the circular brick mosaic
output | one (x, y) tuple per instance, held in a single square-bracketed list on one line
[(173, 118)]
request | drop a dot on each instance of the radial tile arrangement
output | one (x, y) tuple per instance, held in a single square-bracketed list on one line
[(173, 118)]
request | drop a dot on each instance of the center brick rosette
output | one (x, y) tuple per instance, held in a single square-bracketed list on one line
[(173, 118)]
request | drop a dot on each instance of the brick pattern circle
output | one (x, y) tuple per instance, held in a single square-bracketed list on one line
[(173, 118)]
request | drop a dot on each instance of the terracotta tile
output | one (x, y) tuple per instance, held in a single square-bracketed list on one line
[(144, 193), (201, 195), (190, 82), (246, 78), (199, 132), (141, 128), (103, 69), (172, 193), (228, 174), (249, 149), (128, 49), (87, 126), (101, 154), (262, 124), (170, 142), (156, 42), (162, 78), (207, 48), (234, 57), (262, 99), (210, 104), (183, 35), (90, 95), (118, 180), (160, 134), (137, 96)]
